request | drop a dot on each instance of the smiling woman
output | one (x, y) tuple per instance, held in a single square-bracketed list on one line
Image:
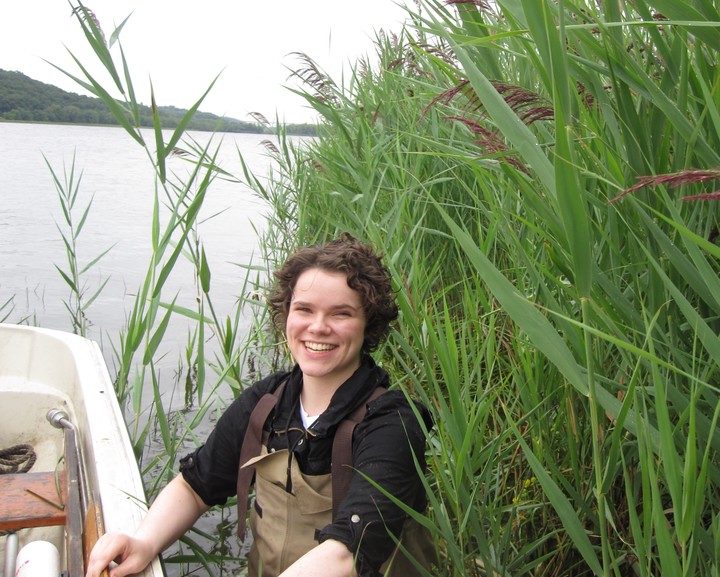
[(292, 430), (325, 330), (334, 302)]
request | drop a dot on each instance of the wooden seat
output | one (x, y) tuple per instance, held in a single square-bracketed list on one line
[(32, 500)]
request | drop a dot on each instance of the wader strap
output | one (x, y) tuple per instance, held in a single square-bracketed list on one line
[(251, 447), (341, 467)]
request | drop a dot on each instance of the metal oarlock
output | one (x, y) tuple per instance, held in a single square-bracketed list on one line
[(77, 495)]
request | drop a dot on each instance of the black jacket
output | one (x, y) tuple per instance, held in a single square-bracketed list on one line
[(384, 447)]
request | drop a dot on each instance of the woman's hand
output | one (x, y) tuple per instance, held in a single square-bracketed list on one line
[(174, 511), (131, 554)]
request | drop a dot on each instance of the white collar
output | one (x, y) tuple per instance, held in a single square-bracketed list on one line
[(307, 420)]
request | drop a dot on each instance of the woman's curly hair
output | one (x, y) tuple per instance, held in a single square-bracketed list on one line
[(365, 273)]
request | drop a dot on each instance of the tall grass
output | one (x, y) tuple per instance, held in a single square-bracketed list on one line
[(541, 176), (217, 354)]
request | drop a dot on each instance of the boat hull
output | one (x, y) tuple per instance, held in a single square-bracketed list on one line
[(42, 370)]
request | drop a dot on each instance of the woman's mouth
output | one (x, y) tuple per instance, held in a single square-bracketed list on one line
[(319, 347)]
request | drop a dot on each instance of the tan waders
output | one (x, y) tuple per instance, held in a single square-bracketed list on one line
[(283, 524)]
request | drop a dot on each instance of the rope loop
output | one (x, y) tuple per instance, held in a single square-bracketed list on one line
[(17, 459)]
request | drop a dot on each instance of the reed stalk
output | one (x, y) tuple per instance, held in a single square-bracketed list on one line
[(68, 189)]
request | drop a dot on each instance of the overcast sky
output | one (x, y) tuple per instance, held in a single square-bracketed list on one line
[(183, 44)]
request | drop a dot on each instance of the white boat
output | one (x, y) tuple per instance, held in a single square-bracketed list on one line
[(46, 376)]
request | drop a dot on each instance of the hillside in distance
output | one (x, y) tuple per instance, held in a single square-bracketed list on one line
[(23, 99)]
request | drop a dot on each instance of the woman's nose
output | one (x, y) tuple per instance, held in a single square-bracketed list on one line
[(319, 324)]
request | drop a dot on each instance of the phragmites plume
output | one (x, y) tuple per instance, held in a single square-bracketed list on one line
[(88, 17), (528, 105), (407, 62), (406, 59), (311, 75), (674, 180), (587, 98), (392, 40), (490, 141), (317, 165), (392, 45), (446, 96), (705, 196), (442, 50), (363, 67), (259, 117), (270, 146)]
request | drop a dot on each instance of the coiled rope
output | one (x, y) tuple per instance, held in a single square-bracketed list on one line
[(17, 459)]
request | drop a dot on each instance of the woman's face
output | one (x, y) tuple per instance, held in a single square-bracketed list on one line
[(325, 327)]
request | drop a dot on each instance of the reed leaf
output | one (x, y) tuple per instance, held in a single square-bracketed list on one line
[(523, 312), (562, 505), (158, 335), (512, 127), (160, 150)]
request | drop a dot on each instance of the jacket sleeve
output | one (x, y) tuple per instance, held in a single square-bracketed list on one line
[(211, 470), (388, 457)]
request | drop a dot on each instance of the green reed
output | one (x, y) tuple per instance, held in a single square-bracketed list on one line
[(523, 167), (6, 309), (178, 199), (67, 190)]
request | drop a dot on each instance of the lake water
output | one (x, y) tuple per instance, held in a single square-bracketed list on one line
[(117, 175)]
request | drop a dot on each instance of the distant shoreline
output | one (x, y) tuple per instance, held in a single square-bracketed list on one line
[(100, 125), (23, 99)]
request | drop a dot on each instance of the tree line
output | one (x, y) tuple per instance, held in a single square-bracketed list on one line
[(23, 99)]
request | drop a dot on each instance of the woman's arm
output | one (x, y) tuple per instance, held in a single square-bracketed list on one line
[(173, 512), (386, 446), (329, 559)]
